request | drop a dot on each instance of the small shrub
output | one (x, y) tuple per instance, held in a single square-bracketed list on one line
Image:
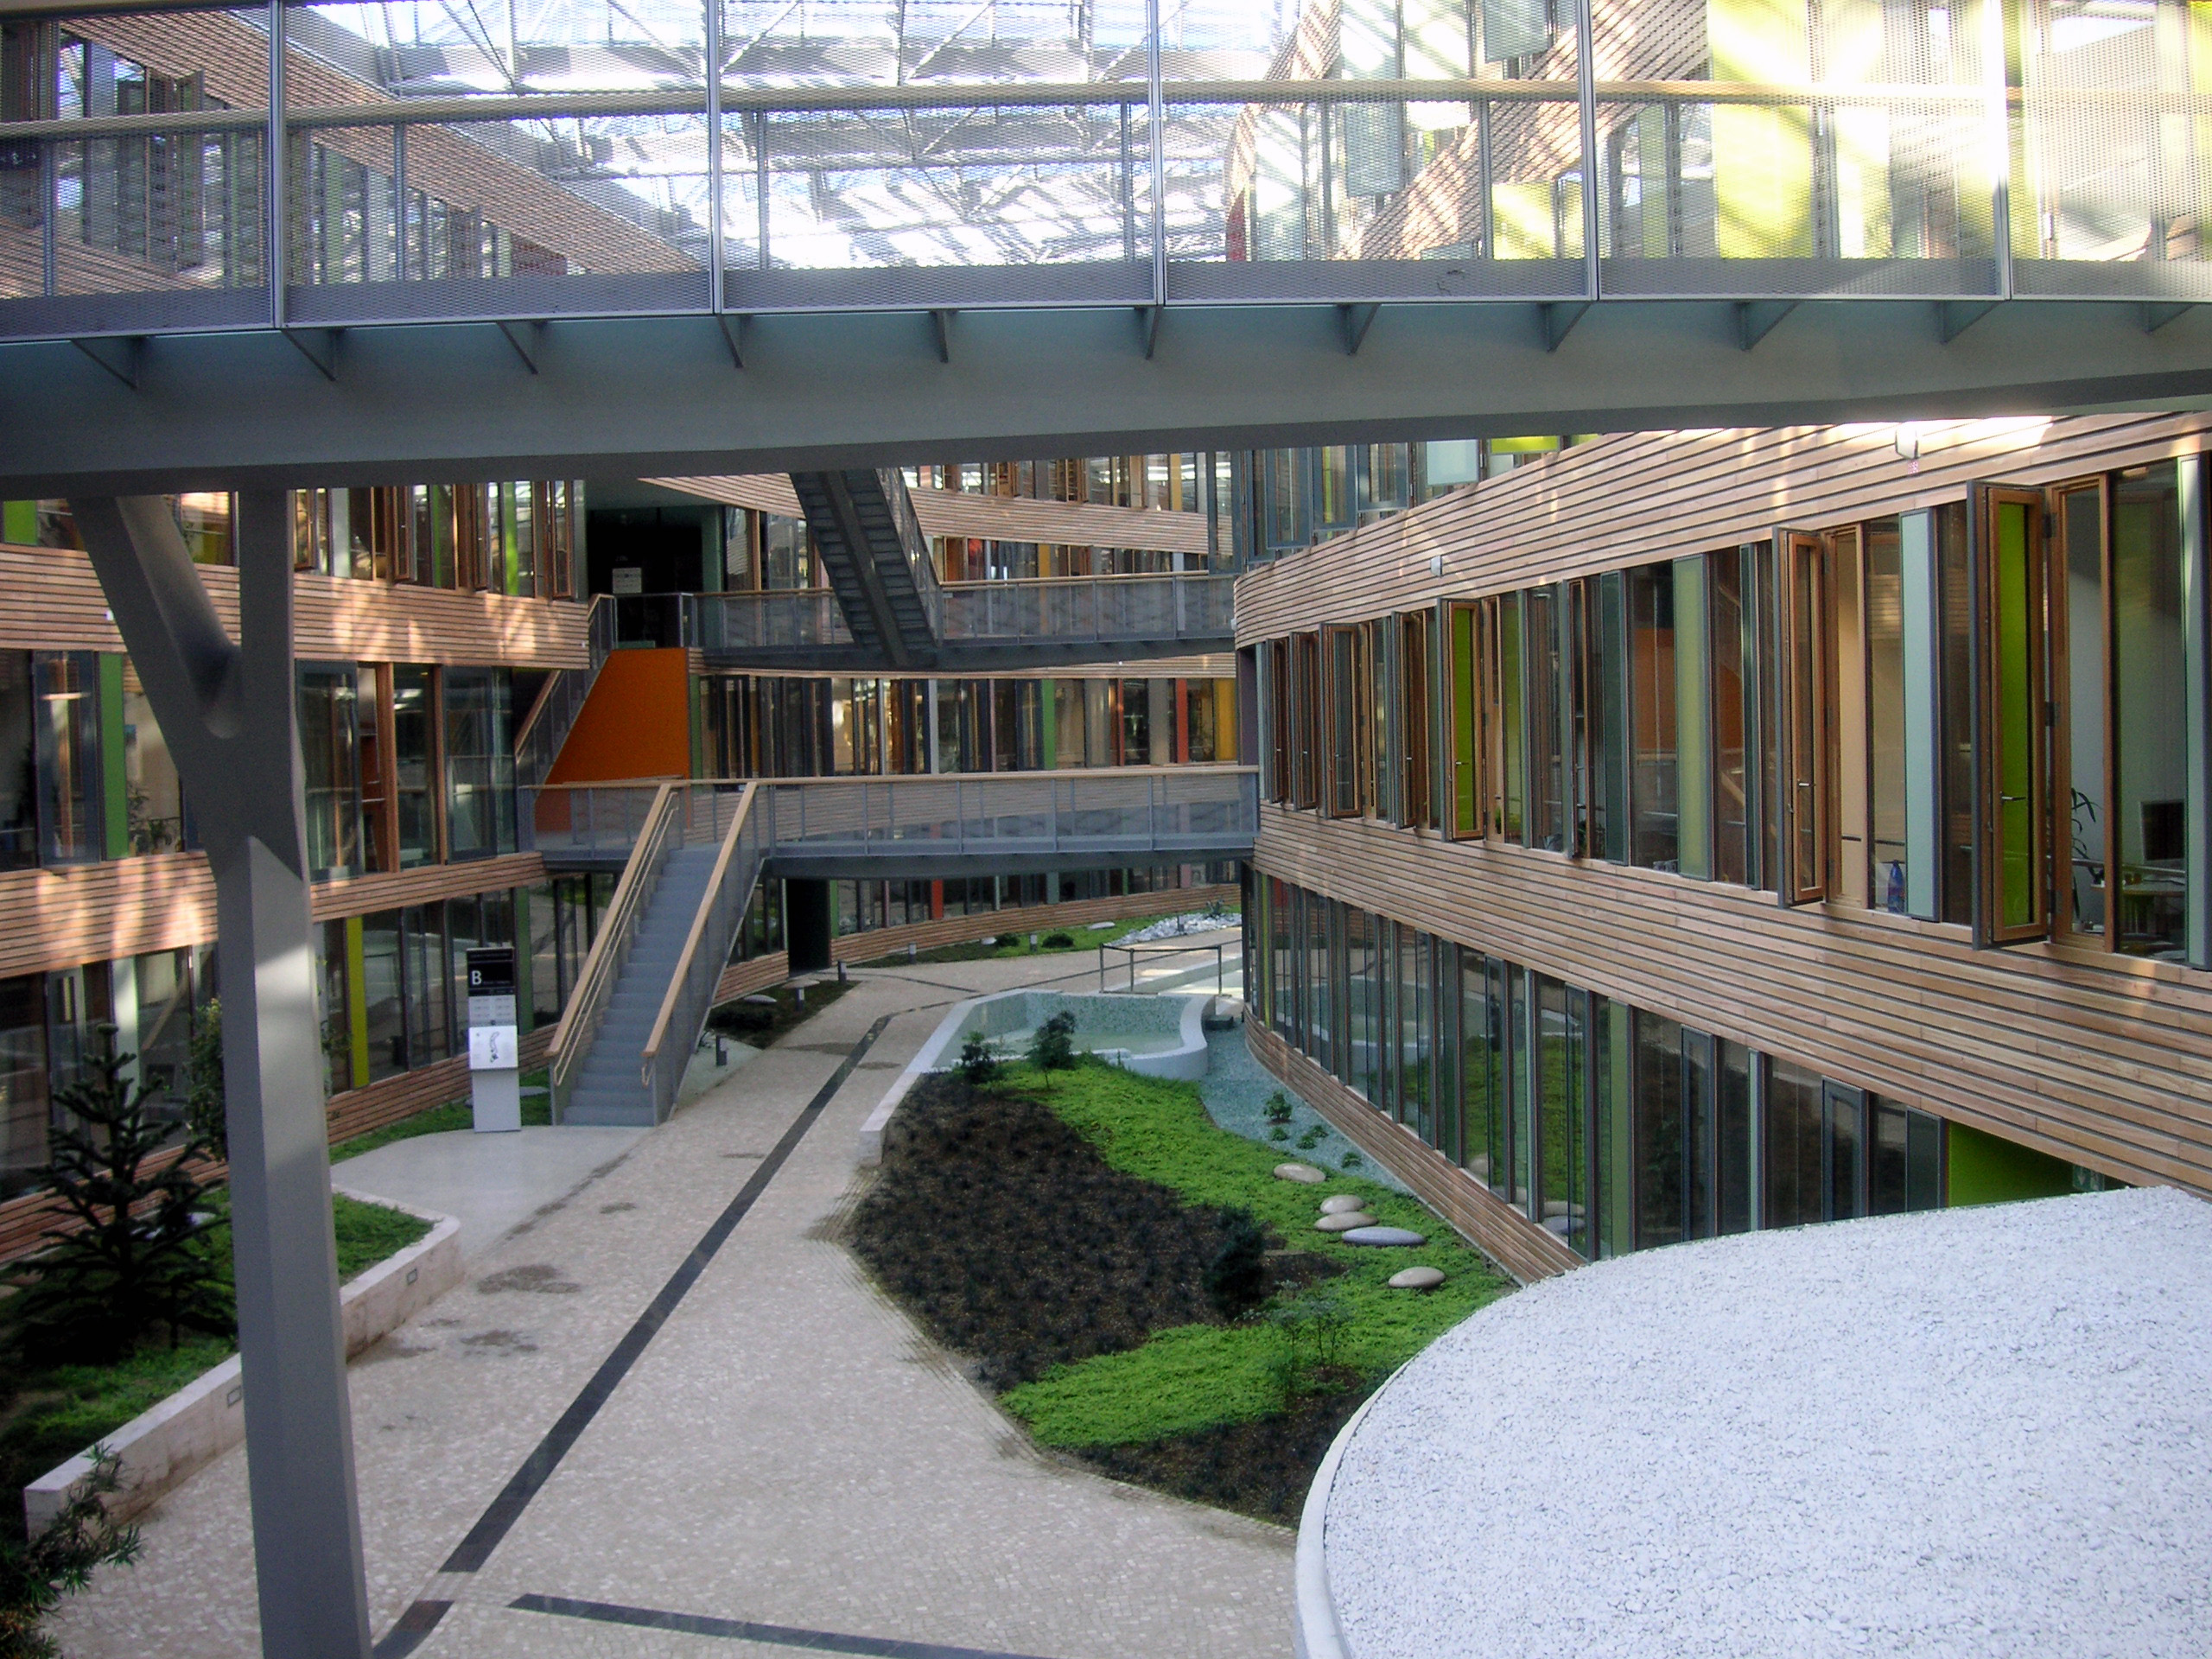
[(1278, 1109), (36, 1575), (1353, 1160), (1235, 1278), (978, 1066), (1279, 1133), (135, 1259), (1313, 1137), (1059, 942), (1052, 1049)]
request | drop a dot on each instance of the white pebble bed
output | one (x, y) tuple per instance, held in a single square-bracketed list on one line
[(1983, 1432)]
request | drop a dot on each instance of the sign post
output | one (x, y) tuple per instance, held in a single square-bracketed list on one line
[(494, 1056)]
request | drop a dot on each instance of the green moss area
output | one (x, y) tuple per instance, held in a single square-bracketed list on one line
[(1074, 1279), (1080, 939), (51, 1413)]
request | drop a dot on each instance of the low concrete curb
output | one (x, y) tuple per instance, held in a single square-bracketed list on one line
[(1314, 1631), (161, 1447)]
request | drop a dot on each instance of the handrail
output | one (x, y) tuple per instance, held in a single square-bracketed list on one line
[(1201, 768), (709, 902), (561, 690), (579, 1020)]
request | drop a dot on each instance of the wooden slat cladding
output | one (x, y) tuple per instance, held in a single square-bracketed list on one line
[(2108, 1065), (55, 604), (1643, 497), (1509, 1238), (52, 918)]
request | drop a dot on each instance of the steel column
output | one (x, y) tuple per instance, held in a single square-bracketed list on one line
[(229, 714)]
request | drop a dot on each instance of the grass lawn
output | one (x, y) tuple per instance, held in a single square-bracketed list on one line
[(536, 1113), (48, 1414), (1098, 1210), (1201, 1376), (1081, 939)]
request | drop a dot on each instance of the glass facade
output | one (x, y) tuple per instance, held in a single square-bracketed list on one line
[(1612, 1126)]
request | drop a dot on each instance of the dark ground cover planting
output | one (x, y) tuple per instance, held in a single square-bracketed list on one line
[(1074, 1234), (1017, 1244)]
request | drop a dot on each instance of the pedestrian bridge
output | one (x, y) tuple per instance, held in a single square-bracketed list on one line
[(776, 237), (691, 854)]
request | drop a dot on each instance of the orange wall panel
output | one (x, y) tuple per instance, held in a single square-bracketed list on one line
[(637, 722)]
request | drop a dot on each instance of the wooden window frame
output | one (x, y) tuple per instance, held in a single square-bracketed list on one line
[(1417, 806), (1343, 739), (1803, 677)]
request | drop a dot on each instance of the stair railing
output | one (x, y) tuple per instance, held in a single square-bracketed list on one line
[(916, 546), (553, 717), (587, 1009), (706, 952)]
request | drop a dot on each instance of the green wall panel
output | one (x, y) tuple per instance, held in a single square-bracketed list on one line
[(1987, 1169)]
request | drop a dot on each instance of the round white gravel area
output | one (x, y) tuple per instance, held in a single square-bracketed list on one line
[(1983, 1432)]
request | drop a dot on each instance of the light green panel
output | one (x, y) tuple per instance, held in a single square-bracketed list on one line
[(115, 777), (357, 1003), (1762, 157), (1049, 726), (1987, 1169), (19, 523)]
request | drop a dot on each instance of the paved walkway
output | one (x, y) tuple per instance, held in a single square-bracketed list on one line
[(489, 1183), (788, 1450)]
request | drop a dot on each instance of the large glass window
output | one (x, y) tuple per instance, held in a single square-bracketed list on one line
[(1662, 1184), (1732, 850), (1416, 1035), (1511, 713), (153, 796), (383, 994), (1905, 1161), (23, 1095), (67, 728), (2149, 828), (18, 763), (1562, 1159), (1610, 737), (414, 763), (479, 763), (1883, 612), (1481, 1071), (1651, 708), (329, 733), (1548, 827), (1793, 1130)]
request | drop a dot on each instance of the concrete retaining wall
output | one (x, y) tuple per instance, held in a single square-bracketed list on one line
[(161, 1447)]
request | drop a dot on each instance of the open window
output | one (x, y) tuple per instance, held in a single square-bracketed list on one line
[(2012, 715), (1417, 672), (1804, 677), (1306, 719)]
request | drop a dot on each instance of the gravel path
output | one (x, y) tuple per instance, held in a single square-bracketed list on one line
[(1972, 1432)]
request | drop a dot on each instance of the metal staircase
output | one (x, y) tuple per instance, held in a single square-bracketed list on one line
[(629, 1031), (878, 561)]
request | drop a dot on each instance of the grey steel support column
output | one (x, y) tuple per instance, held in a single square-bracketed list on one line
[(228, 712)]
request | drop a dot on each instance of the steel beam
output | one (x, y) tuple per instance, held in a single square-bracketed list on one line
[(631, 397), (229, 712)]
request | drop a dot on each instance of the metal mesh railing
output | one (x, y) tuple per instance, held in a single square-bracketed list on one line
[(808, 619), (1092, 609), (553, 717), (706, 948), (1192, 809), (579, 162)]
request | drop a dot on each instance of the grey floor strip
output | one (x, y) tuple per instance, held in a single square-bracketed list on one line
[(414, 1626), (740, 1629), (506, 1508)]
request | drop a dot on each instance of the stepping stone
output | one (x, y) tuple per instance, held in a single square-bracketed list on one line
[(1417, 1279), (1344, 1221), (1337, 1205), (1371, 1235), (758, 1001), (1304, 1173), (1098, 927)]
